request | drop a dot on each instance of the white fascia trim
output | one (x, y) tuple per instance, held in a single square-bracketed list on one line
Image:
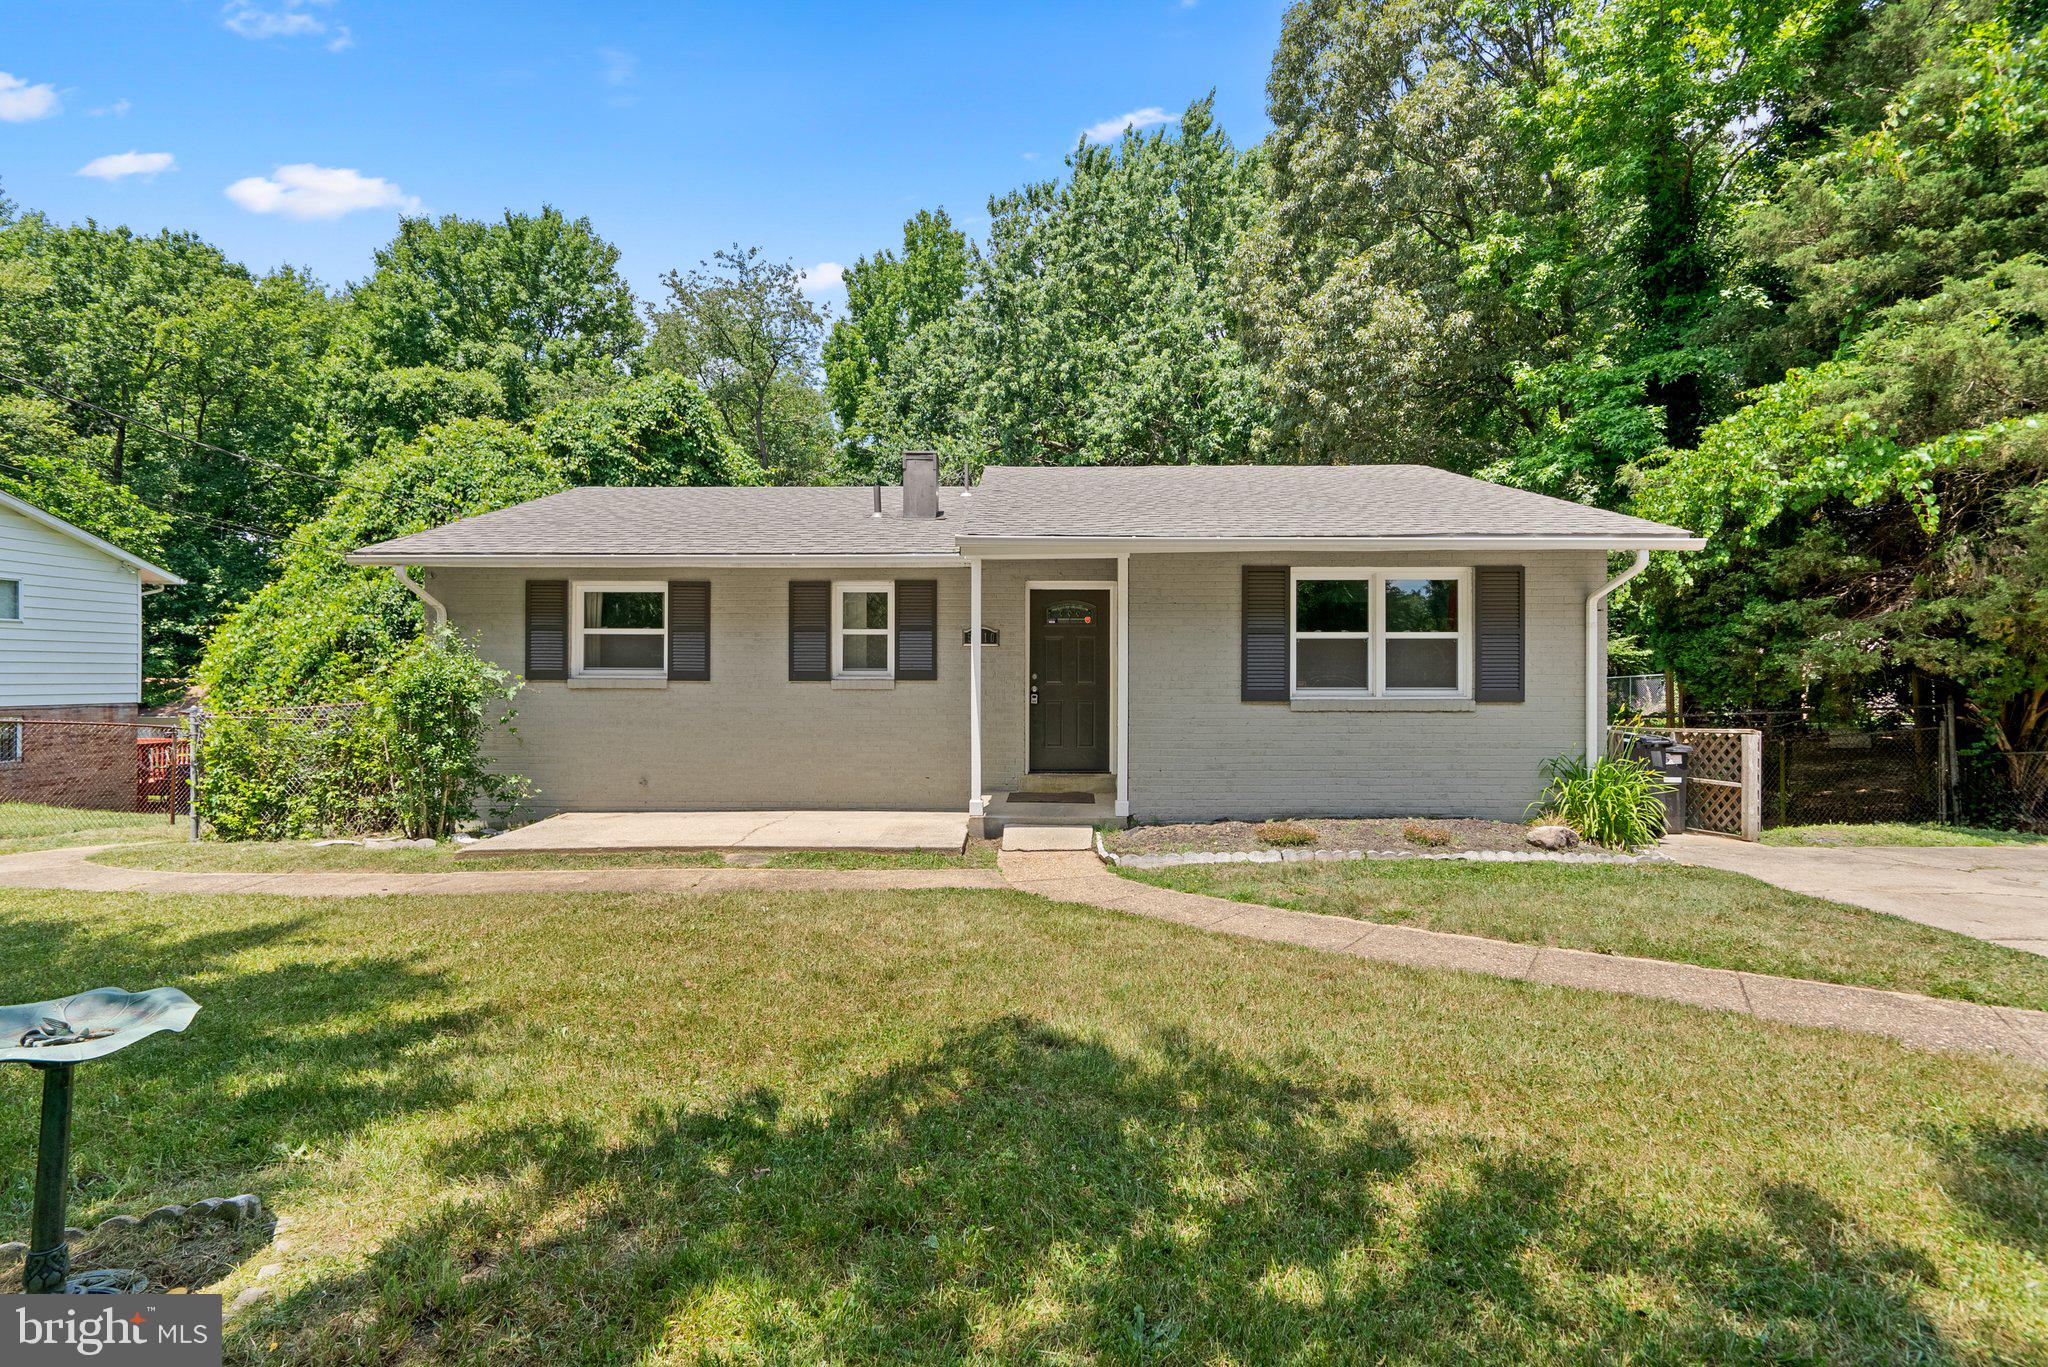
[(660, 562), (1054, 547), (151, 574)]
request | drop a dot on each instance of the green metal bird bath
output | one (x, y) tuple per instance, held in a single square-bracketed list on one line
[(54, 1037)]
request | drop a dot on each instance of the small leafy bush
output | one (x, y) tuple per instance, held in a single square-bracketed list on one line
[(1415, 833), (1614, 802), (1284, 833)]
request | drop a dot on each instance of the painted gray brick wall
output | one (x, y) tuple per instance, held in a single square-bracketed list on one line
[(1199, 754), (748, 738)]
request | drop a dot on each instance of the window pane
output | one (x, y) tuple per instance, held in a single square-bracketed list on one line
[(865, 652), (1333, 605), (1423, 664), (1339, 663), (10, 598), (625, 610), (857, 610), (621, 652), (1422, 605)]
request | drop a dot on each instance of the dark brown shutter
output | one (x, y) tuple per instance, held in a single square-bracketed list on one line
[(1497, 623), (917, 629), (1265, 633), (810, 630), (547, 628), (689, 629)]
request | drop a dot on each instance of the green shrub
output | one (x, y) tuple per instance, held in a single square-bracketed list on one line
[(1613, 802), (1415, 833), (1284, 833), (434, 713)]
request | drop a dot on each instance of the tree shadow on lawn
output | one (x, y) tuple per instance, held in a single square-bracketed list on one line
[(296, 1046), (1024, 1192), (2001, 1174)]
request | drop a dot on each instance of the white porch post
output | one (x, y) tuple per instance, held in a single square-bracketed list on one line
[(974, 794), (1123, 685)]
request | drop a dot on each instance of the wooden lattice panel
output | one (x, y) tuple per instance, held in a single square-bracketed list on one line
[(1713, 806), (1715, 754)]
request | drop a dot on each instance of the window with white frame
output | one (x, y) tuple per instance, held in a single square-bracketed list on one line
[(1373, 633), (10, 600), (621, 629), (863, 635)]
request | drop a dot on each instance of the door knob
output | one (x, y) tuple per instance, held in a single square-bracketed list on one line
[(1034, 697)]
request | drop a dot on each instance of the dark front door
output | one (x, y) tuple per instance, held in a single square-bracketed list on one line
[(1069, 680)]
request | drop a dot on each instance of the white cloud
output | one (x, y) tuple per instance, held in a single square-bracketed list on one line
[(822, 278), (120, 165), (303, 190), (1029, 156), (289, 19), (1151, 116), (119, 109), (21, 102), (621, 68)]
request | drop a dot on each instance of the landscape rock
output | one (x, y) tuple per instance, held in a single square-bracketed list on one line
[(1552, 837), (12, 1253), (323, 844), (164, 1215), (118, 1222), (249, 1296), (239, 1209)]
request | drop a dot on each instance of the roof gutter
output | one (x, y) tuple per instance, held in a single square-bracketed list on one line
[(1596, 691), (1032, 547), (601, 561)]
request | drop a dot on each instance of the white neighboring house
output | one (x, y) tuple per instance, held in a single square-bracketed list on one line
[(70, 634)]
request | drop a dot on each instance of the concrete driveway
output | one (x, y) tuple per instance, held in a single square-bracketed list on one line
[(1997, 893)]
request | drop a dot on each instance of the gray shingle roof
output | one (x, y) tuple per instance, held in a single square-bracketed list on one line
[(1277, 501), (649, 524), (1161, 502)]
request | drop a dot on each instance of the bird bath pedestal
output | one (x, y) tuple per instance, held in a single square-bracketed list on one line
[(54, 1037)]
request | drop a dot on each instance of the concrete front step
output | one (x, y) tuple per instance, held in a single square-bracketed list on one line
[(1004, 811), (1100, 784)]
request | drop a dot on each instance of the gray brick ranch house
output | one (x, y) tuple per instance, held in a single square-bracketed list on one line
[(1167, 643)]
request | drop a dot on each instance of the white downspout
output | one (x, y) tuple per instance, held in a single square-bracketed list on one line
[(437, 615), (1596, 686), (976, 807)]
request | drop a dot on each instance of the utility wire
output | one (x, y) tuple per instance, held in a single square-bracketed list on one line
[(258, 532), (62, 397)]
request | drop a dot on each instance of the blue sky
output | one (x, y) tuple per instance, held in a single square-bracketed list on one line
[(809, 130)]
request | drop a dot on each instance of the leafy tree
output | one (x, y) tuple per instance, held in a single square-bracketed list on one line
[(532, 300), (323, 626), (745, 331), (656, 429), (889, 299), (1101, 320), (37, 463), (1876, 517)]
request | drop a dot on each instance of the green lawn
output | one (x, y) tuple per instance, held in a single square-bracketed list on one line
[(1693, 915), (1898, 833), (32, 826), (946, 1125), (303, 856)]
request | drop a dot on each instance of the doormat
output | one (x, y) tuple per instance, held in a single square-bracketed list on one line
[(1082, 799)]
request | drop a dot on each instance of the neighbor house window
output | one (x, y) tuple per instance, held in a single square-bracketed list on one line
[(1380, 633), (863, 636), (621, 629), (10, 742), (10, 600)]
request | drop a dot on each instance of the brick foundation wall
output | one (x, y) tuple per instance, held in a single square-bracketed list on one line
[(78, 756)]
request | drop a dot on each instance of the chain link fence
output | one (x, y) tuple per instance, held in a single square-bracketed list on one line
[(106, 766), (290, 772)]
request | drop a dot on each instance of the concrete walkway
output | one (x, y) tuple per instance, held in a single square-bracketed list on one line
[(1928, 1022), (73, 870), (1992, 892), (598, 832)]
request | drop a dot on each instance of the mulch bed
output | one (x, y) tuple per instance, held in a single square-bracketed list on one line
[(1330, 835)]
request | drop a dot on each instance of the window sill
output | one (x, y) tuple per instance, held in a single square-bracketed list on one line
[(596, 682), (1382, 705), (863, 685)]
